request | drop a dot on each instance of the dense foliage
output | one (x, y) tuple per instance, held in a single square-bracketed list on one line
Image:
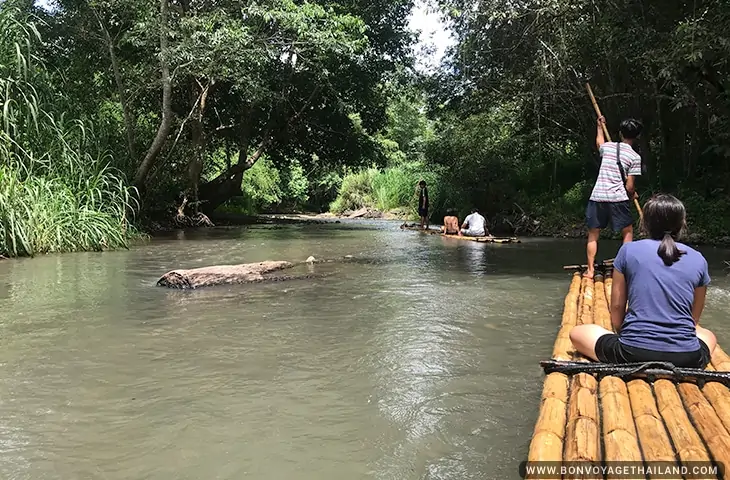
[(123, 111), (180, 100), (516, 126)]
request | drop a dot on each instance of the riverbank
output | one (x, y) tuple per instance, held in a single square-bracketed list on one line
[(540, 228)]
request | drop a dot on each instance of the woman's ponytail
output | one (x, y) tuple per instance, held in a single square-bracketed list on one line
[(668, 250)]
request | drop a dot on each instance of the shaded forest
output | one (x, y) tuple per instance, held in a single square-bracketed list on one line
[(121, 115)]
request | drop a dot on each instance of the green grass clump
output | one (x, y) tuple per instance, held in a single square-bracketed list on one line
[(58, 192)]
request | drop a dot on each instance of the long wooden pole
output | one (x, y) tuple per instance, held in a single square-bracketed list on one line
[(608, 137)]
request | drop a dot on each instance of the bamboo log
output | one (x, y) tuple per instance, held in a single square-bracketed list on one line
[(582, 442), (563, 348), (220, 274), (619, 433), (707, 422), (686, 440), (609, 285), (652, 434), (720, 360), (586, 314), (601, 316), (719, 397), (547, 439), (585, 310)]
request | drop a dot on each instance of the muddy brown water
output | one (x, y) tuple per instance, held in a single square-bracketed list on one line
[(417, 359)]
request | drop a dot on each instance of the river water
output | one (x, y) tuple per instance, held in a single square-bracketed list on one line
[(417, 359)]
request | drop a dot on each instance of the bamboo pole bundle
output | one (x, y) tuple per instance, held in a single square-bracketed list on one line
[(619, 433), (720, 360), (547, 438), (686, 440), (707, 422), (563, 346), (581, 439), (652, 434)]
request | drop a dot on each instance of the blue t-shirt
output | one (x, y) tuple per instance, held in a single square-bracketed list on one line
[(660, 297)]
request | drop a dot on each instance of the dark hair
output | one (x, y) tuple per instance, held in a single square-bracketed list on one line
[(664, 219), (475, 210), (631, 128), (422, 183)]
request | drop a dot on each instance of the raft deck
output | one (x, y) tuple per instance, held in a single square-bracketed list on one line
[(487, 239), (584, 418)]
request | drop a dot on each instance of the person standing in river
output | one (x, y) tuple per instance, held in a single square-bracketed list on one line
[(423, 203), (614, 188)]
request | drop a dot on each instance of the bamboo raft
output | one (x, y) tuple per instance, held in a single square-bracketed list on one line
[(486, 239), (597, 419)]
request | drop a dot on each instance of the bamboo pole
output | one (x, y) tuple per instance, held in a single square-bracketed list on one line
[(719, 397), (549, 432), (609, 285), (686, 440), (619, 433), (586, 314), (601, 316), (563, 348), (707, 422), (582, 442), (652, 434), (720, 360), (585, 311)]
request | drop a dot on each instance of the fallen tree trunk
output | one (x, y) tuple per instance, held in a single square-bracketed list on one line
[(221, 274)]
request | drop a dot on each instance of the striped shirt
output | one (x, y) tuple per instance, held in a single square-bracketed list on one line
[(609, 186)]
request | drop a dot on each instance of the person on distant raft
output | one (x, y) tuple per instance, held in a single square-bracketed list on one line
[(451, 223), (614, 189), (474, 225), (423, 203), (665, 283)]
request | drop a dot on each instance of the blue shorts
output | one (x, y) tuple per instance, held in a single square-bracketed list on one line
[(598, 214)]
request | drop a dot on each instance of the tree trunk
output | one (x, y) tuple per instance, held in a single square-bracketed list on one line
[(166, 123), (128, 119), (228, 184), (198, 139)]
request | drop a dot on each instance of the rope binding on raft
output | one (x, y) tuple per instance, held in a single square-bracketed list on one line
[(649, 370)]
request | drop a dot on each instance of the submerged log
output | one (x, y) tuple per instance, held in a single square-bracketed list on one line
[(220, 274)]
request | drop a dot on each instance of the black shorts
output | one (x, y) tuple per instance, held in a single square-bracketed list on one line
[(598, 215), (422, 212), (610, 350)]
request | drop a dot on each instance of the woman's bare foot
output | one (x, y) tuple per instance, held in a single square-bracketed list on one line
[(589, 273)]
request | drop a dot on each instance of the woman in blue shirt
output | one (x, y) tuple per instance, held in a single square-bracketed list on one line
[(665, 283)]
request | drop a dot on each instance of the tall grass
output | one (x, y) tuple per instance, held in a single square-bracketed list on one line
[(57, 190), (390, 189)]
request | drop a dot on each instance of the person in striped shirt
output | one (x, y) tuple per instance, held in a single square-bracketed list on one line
[(615, 188)]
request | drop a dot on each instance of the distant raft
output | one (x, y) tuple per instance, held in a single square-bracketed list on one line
[(489, 239), (603, 413)]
